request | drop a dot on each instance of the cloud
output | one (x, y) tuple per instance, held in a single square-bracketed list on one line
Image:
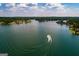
[(38, 9), (0, 4), (21, 5), (10, 4)]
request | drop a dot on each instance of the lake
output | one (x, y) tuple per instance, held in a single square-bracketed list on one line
[(31, 39)]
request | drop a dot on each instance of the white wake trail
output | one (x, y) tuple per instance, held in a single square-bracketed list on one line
[(49, 38)]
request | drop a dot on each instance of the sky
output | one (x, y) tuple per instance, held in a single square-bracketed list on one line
[(38, 9)]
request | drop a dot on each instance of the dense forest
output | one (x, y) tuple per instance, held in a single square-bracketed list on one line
[(40, 19), (8, 20)]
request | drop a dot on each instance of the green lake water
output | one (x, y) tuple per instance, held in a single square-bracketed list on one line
[(31, 39)]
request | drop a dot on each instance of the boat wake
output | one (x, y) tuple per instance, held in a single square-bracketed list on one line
[(49, 38), (49, 43)]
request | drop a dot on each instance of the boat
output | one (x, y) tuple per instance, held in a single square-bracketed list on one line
[(49, 38)]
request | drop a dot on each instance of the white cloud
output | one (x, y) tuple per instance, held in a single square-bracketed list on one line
[(22, 5), (50, 9), (10, 4), (1, 13), (60, 8), (0, 4)]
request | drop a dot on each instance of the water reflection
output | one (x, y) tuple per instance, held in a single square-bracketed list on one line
[(73, 29), (25, 38), (36, 38)]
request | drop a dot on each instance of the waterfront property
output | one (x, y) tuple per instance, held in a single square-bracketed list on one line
[(73, 24)]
